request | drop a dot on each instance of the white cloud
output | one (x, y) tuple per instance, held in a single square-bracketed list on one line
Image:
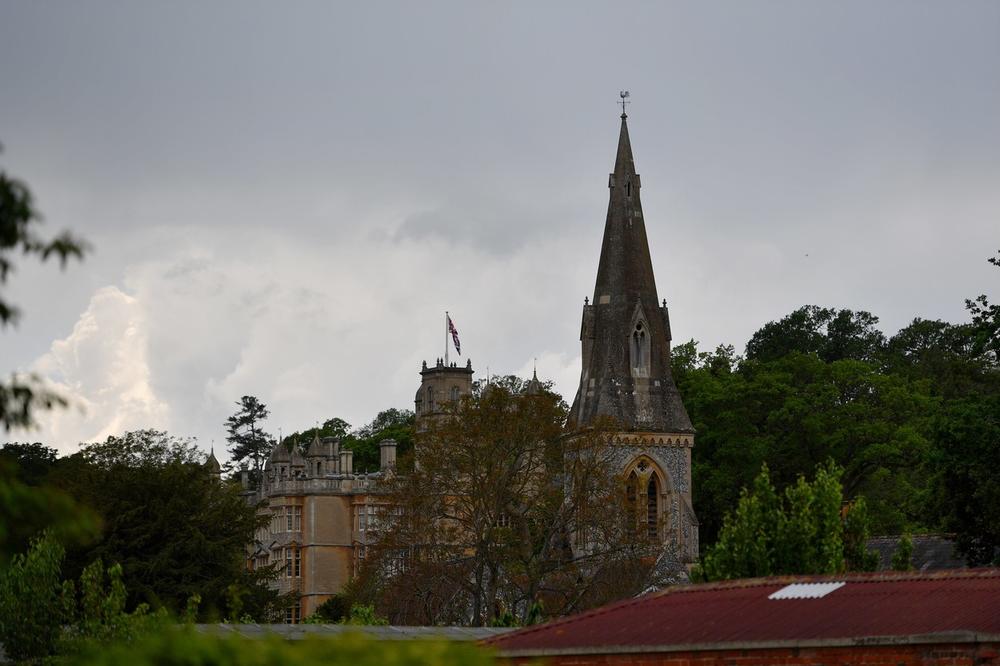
[(102, 367), (316, 330)]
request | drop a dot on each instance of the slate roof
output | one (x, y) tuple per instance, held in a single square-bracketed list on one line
[(713, 616), (931, 552)]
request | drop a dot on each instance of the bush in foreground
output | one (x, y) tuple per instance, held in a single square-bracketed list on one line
[(185, 645)]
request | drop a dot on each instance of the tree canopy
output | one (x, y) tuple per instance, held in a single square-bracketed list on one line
[(501, 515), (910, 419), (804, 530), (174, 530)]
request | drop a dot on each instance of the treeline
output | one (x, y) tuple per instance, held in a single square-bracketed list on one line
[(912, 419), (145, 501), (250, 444)]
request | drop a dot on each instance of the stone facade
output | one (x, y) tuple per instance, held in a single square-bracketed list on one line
[(440, 384), (322, 516)]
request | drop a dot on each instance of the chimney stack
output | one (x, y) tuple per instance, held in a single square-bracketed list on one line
[(346, 462), (387, 451)]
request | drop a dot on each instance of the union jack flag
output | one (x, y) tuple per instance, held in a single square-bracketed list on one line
[(454, 335)]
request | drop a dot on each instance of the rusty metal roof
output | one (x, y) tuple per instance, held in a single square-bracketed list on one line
[(768, 610)]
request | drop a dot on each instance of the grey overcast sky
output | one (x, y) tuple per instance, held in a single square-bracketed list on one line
[(284, 198)]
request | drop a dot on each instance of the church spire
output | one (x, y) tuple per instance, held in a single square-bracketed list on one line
[(626, 332), (625, 270)]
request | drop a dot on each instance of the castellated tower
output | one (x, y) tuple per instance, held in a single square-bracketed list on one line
[(626, 369), (441, 384)]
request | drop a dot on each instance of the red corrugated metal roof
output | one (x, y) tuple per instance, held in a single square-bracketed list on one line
[(884, 604)]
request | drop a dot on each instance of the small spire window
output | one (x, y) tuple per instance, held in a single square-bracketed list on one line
[(628, 189), (639, 348)]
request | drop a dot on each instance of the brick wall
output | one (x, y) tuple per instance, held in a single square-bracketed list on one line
[(958, 654)]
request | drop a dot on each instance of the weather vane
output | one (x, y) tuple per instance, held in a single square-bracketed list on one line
[(624, 95)]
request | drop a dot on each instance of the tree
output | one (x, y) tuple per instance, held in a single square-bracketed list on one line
[(803, 532), (32, 461), (390, 423), (19, 220), (986, 319), (965, 487), (246, 437), (174, 531), (34, 602), (796, 411), (501, 513), (902, 559), (26, 511), (831, 334)]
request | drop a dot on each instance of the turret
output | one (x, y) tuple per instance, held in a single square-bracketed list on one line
[(279, 462), (212, 466), (441, 384), (321, 457)]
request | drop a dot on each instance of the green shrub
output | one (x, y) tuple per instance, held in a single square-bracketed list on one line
[(186, 646), (34, 602)]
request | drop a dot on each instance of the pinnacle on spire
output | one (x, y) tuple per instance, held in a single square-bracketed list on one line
[(624, 164)]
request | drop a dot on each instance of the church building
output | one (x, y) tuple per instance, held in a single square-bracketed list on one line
[(626, 376)]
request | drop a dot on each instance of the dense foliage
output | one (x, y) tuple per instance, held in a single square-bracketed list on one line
[(183, 646), (479, 528), (390, 423), (42, 615), (804, 530), (174, 531), (912, 419)]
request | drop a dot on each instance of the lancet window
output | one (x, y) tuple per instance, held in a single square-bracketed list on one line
[(639, 349)]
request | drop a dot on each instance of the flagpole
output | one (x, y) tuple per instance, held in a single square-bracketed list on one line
[(446, 338)]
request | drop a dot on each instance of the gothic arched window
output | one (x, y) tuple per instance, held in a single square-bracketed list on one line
[(454, 394), (639, 348), (430, 398)]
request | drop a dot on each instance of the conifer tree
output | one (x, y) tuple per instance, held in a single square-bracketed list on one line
[(246, 436)]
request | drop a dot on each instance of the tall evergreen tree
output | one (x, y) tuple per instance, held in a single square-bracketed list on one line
[(246, 436)]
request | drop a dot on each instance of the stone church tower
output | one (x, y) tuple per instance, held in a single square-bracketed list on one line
[(626, 369)]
